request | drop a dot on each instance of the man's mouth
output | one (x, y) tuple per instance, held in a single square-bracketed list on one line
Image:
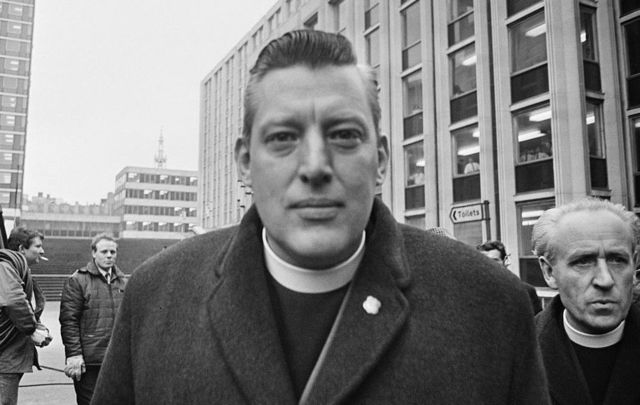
[(317, 208)]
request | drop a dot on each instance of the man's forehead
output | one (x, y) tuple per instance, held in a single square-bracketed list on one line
[(591, 231), (106, 244)]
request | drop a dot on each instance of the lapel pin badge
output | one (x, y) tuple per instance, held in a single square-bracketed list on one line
[(371, 305)]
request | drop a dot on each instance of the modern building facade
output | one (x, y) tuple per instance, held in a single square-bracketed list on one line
[(496, 110), (156, 202), (16, 33)]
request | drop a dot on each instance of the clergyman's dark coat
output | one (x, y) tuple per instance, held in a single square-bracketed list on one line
[(567, 384), (196, 327)]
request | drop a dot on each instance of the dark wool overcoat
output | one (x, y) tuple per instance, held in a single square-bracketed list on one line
[(196, 327), (567, 384)]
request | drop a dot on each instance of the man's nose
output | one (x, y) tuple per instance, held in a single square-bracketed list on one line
[(603, 277), (315, 158)]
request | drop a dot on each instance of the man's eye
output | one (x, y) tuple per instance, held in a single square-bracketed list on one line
[(281, 137), (584, 262), (345, 137), (617, 260)]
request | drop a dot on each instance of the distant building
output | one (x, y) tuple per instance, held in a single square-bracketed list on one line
[(58, 219), (496, 110), (16, 32), (156, 203)]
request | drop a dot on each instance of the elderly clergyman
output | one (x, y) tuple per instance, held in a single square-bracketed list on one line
[(319, 296), (590, 333)]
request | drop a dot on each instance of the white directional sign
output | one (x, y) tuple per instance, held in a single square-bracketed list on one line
[(467, 213)]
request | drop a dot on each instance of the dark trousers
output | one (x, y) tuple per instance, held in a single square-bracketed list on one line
[(84, 387)]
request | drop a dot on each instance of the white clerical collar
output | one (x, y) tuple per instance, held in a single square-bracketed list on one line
[(592, 341), (311, 281)]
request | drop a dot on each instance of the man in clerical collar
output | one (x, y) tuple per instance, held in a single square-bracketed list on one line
[(319, 296), (589, 333)]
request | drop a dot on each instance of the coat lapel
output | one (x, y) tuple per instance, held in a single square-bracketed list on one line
[(623, 384), (362, 338), (243, 321), (567, 385)]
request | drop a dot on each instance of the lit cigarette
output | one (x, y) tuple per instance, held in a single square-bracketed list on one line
[(44, 258)]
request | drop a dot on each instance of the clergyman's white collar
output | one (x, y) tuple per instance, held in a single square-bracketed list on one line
[(311, 281), (592, 341)]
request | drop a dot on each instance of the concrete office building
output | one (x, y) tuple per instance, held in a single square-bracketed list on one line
[(16, 33), (156, 203), (496, 110)]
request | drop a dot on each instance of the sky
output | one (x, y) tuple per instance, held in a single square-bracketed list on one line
[(107, 77)]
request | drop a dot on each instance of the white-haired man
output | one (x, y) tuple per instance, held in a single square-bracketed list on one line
[(589, 333)]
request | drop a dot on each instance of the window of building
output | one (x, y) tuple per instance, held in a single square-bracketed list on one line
[(589, 48), (466, 150), (9, 102), (416, 220), (5, 179), (460, 20), (628, 6), (463, 84), (514, 6), (411, 54), (595, 137), (372, 50), (341, 16), (528, 214), (468, 232), (632, 39), (412, 104), (528, 45), (371, 13), (414, 176), (534, 167), (466, 161), (16, 10), (5, 197)]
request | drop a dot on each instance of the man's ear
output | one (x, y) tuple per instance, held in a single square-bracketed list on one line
[(243, 161), (547, 272), (383, 159)]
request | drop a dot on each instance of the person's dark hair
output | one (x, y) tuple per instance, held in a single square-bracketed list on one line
[(21, 236), (493, 245), (311, 48), (99, 237)]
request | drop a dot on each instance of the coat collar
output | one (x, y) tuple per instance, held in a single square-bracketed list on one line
[(567, 384), (93, 269), (244, 324)]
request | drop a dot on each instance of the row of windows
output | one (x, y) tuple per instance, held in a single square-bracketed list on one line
[(161, 195), (165, 211), (17, 85), (16, 11), (10, 122), (15, 29), (13, 47), (11, 141), (155, 226), (161, 179), (13, 66)]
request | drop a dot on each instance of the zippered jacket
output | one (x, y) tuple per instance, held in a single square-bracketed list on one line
[(88, 308)]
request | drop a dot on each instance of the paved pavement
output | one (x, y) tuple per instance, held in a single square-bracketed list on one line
[(48, 386)]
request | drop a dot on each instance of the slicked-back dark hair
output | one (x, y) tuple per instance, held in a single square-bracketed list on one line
[(493, 245), (314, 49)]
